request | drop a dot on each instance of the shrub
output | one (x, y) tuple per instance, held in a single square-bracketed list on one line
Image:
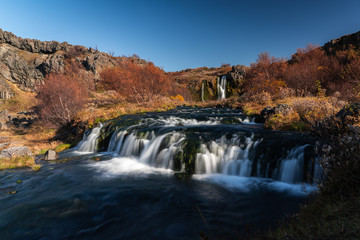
[(178, 98), (60, 98), (266, 75), (136, 82), (263, 98), (312, 70)]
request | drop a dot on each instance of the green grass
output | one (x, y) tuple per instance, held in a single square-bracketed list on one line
[(62, 147), (18, 162)]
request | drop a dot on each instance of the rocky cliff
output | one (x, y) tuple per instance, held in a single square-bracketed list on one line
[(343, 43), (26, 62)]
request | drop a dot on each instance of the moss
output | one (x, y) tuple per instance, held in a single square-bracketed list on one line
[(17, 162), (62, 147), (191, 148), (229, 120)]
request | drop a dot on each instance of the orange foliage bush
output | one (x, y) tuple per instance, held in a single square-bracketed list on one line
[(266, 75), (310, 71), (60, 98), (178, 98), (135, 82), (310, 66)]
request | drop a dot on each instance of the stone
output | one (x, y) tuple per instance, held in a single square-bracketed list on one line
[(15, 152), (237, 73), (352, 110), (50, 155), (282, 109), (5, 116), (3, 126)]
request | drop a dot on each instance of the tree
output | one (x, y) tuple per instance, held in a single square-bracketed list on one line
[(266, 75), (60, 98)]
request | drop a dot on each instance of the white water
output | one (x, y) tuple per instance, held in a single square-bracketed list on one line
[(246, 184), (202, 91), (88, 144), (230, 157), (226, 156), (221, 87)]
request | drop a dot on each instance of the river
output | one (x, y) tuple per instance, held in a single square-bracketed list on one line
[(170, 175)]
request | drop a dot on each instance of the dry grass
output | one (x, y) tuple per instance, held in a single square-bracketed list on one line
[(18, 162), (35, 138), (22, 101), (94, 113)]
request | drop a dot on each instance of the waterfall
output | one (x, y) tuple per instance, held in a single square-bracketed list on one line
[(89, 143), (232, 157), (221, 87), (169, 142), (202, 91), (226, 157)]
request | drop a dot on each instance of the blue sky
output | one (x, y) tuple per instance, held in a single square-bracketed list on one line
[(180, 34)]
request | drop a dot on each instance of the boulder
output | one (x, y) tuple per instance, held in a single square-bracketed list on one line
[(282, 109), (3, 126), (50, 155), (5, 116), (15, 152), (237, 73), (352, 110)]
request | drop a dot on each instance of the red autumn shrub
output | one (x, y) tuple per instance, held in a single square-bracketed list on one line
[(266, 75), (136, 82), (311, 68), (59, 98)]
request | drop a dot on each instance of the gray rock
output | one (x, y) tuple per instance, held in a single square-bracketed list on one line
[(50, 155), (352, 109), (282, 109), (5, 116), (2, 145), (15, 152), (3, 126), (237, 73)]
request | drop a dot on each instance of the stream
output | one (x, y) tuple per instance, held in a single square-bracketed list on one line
[(163, 175)]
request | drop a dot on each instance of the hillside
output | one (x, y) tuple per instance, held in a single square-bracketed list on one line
[(25, 62)]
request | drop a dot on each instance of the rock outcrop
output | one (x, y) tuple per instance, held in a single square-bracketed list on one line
[(342, 43), (26, 62), (237, 73), (282, 109), (15, 152), (352, 110)]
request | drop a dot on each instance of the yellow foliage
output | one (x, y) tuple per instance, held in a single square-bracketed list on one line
[(178, 98)]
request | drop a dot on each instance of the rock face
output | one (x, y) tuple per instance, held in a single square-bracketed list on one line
[(237, 73), (15, 152), (342, 43), (26, 62)]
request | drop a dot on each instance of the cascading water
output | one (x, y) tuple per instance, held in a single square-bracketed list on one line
[(125, 175), (221, 87), (88, 144), (161, 142), (202, 91)]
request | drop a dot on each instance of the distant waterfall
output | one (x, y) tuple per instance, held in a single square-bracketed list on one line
[(221, 87), (202, 91)]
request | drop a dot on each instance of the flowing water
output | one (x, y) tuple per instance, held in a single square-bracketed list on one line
[(221, 87), (168, 175)]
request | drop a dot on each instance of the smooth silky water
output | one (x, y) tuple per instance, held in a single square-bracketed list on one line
[(241, 175)]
